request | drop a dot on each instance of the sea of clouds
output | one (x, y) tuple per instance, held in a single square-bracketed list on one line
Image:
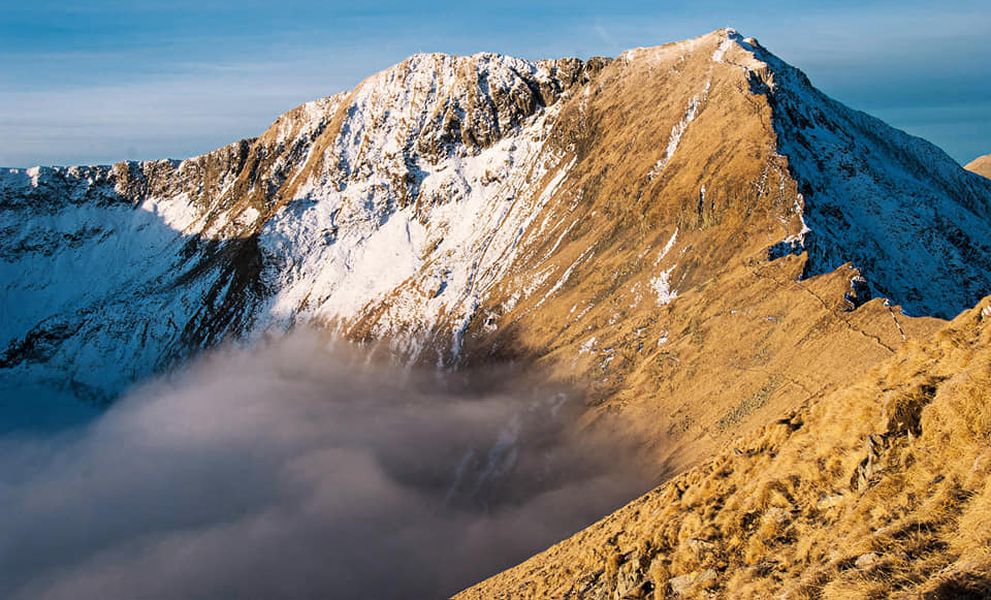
[(299, 469)]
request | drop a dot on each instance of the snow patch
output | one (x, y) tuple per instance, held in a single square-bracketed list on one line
[(662, 287), (678, 130), (720, 53), (667, 247), (565, 276)]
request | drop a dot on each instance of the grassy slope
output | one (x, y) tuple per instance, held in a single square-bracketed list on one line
[(878, 489)]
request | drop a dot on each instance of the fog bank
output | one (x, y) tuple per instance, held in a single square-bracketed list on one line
[(292, 469)]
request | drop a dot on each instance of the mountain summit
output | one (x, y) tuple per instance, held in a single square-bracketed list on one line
[(692, 232)]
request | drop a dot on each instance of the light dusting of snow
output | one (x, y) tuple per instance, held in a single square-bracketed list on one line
[(248, 216), (565, 276), (678, 130), (798, 238), (344, 242), (872, 188), (720, 53), (667, 247), (93, 270), (637, 297), (467, 233), (584, 311)]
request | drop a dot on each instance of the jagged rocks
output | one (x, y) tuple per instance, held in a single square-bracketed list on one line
[(867, 561), (870, 466), (860, 292)]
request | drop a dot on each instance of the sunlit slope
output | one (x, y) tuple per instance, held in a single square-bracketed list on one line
[(879, 488)]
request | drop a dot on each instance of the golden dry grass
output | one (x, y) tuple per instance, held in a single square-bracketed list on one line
[(879, 489)]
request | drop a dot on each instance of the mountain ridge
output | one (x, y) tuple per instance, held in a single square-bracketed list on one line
[(879, 489), (980, 165)]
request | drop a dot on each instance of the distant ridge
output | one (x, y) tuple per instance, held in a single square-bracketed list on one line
[(980, 165)]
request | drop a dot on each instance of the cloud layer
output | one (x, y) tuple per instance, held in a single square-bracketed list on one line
[(294, 470)]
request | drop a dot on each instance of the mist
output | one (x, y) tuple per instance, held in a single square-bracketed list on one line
[(296, 468)]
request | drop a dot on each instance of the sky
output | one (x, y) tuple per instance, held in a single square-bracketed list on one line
[(106, 80)]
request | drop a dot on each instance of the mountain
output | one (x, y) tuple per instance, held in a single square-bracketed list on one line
[(980, 165), (692, 233), (319, 218)]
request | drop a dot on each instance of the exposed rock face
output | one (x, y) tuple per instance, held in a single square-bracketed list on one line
[(980, 165)]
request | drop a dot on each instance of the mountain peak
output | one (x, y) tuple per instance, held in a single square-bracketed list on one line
[(718, 42)]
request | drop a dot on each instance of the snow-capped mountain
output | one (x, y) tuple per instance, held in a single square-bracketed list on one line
[(452, 209), (111, 273)]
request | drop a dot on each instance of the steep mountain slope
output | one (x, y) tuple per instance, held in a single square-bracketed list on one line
[(980, 165), (852, 169), (115, 272), (101, 285), (879, 489)]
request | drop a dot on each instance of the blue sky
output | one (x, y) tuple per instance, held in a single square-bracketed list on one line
[(107, 80)]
